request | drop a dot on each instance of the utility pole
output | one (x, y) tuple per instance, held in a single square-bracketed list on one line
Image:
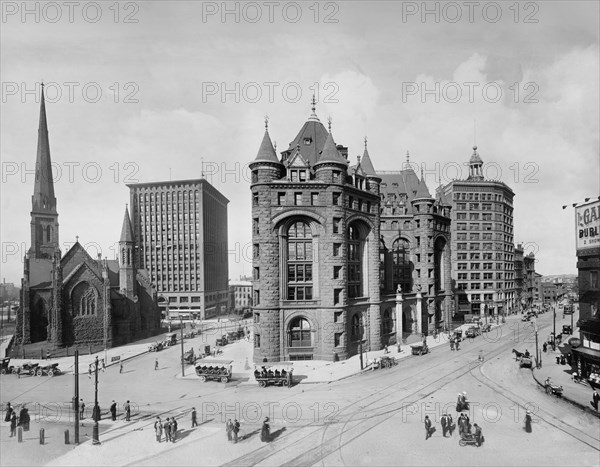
[(96, 412), (76, 399), (554, 321), (360, 347), (182, 361)]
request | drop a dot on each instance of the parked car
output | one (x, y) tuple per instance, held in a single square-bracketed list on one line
[(567, 329), (6, 368), (170, 339), (473, 331), (486, 327)]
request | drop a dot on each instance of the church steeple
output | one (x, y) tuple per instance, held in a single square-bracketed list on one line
[(44, 217), (43, 199), (126, 259)]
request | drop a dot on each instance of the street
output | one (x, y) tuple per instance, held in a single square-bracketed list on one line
[(356, 420)]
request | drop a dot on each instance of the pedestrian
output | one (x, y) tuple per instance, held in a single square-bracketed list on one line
[(461, 424), (19, 372), (428, 428), (194, 421), (13, 424), (173, 429), (81, 409), (528, 421), (459, 404), (89, 371), (595, 399), (265, 431), (9, 410), (103, 365), (47, 354), (545, 347), (113, 410), (156, 364), (158, 429), (121, 368), (228, 429), (127, 411), (457, 344), (444, 423), (167, 430), (478, 434), (451, 344), (467, 424), (236, 429), (451, 426)]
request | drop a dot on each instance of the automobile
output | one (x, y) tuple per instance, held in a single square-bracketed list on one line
[(567, 329), (216, 370), (486, 327), (49, 370), (525, 362), (27, 369), (525, 318), (155, 347), (170, 339), (473, 331), (5, 366)]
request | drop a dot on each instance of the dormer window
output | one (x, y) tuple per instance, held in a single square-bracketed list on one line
[(307, 141)]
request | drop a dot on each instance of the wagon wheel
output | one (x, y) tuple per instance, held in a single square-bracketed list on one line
[(39, 372), (462, 442), (202, 378), (50, 372), (284, 382), (224, 379), (262, 384), (3, 371)]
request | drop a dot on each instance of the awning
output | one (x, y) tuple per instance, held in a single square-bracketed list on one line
[(593, 354)]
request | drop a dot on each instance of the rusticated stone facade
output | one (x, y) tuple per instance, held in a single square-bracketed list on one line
[(321, 255)]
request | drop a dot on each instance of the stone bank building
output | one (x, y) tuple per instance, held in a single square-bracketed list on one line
[(341, 258)]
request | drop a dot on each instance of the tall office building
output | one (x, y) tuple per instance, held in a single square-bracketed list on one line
[(181, 230), (482, 242)]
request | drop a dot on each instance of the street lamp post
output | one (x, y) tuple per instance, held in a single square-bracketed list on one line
[(182, 361), (96, 412)]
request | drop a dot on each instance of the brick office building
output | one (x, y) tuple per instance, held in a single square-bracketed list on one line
[(76, 299), (323, 283), (180, 228), (482, 242)]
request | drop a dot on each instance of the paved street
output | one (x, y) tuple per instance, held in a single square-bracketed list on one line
[(352, 421)]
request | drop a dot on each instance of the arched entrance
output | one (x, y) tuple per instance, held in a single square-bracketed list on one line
[(38, 321)]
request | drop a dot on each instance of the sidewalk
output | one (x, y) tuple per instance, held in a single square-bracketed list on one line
[(576, 393)]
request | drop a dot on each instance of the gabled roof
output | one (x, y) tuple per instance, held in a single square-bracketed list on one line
[(126, 232), (266, 152), (330, 154), (296, 160)]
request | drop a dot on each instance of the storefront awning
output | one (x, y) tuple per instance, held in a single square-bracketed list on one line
[(594, 354)]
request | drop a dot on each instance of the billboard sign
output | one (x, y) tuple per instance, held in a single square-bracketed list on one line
[(587, 225)]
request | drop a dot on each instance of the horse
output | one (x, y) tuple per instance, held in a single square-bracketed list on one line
[(518, 354)]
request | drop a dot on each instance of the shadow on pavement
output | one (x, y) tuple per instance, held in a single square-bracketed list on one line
[(248, 435), (277, 434)]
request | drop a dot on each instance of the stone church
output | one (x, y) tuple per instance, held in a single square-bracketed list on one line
[(77, 299), (344, 258)]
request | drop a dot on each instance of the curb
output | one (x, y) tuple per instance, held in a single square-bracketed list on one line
[(585, 408)]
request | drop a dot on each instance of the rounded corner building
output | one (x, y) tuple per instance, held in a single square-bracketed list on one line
[(322, 289)]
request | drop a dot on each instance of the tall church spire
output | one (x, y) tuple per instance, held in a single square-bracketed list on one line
[(43, 199), (44, 217)]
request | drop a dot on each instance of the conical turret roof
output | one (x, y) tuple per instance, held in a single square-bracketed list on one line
[(422, 190), (330, 154), (126, 232), (266, 152), (366, 163)]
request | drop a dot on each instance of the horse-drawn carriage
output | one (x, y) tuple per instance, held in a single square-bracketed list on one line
[(273, 375), (524, 358), (215, 370), (419, 349), (553, 388)]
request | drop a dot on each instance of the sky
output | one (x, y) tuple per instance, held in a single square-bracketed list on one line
[(149, 91)]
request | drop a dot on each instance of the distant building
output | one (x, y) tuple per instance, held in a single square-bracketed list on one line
[(8, 291), (482, 242), (240, 293), (529, 281), (76, 299), (520, 277), (537, 288), (180, 228)]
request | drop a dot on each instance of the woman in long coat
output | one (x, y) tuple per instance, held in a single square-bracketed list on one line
[(265, 432), (8, 412), (528, 421)]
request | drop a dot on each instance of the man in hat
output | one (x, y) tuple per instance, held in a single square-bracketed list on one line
[(158, 429), (194, 420), (444, 423), (428, 428), (113, 410), (229, 429), (595, 399), (478, 434)]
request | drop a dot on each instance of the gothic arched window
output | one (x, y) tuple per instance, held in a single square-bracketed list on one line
[(299, 262), (84, 299), (387, 322), (356, 331)]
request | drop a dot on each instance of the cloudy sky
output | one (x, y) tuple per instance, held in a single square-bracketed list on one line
[(147, 91)]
